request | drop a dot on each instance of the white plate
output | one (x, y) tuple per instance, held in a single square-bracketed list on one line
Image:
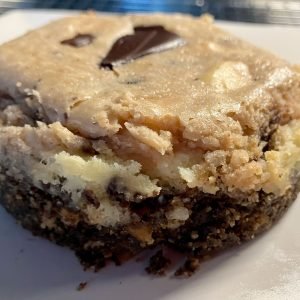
[(267, 268)]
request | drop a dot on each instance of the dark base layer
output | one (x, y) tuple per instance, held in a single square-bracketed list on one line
[(213, 226)]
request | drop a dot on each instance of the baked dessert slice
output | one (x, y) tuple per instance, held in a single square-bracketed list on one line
[(121, 133)]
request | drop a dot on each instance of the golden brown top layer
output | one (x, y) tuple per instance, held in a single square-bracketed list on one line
[(205, 91)]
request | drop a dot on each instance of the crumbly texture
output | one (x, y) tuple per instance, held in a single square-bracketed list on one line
[(196, 147)]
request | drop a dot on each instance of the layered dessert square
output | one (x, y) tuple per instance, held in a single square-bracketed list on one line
[(123, 133)]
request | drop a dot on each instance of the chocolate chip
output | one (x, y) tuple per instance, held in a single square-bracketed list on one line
[(144, 41), (6, 96), (5, 100), (80, 40), (66, 117)]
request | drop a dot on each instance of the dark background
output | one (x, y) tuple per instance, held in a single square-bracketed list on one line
[(263, 11)]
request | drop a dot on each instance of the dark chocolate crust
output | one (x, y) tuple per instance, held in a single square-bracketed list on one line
[(213, 225)]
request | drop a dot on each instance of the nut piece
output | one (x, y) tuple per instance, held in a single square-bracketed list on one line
[(230, 76), (141, 232)]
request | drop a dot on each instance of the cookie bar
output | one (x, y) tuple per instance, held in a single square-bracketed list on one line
[(122, 133)]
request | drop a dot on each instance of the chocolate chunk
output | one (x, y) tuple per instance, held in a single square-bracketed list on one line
[(144, 41), (80, 40)]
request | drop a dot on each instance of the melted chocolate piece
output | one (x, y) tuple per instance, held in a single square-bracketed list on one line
[(80, 40), (144, 41)]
